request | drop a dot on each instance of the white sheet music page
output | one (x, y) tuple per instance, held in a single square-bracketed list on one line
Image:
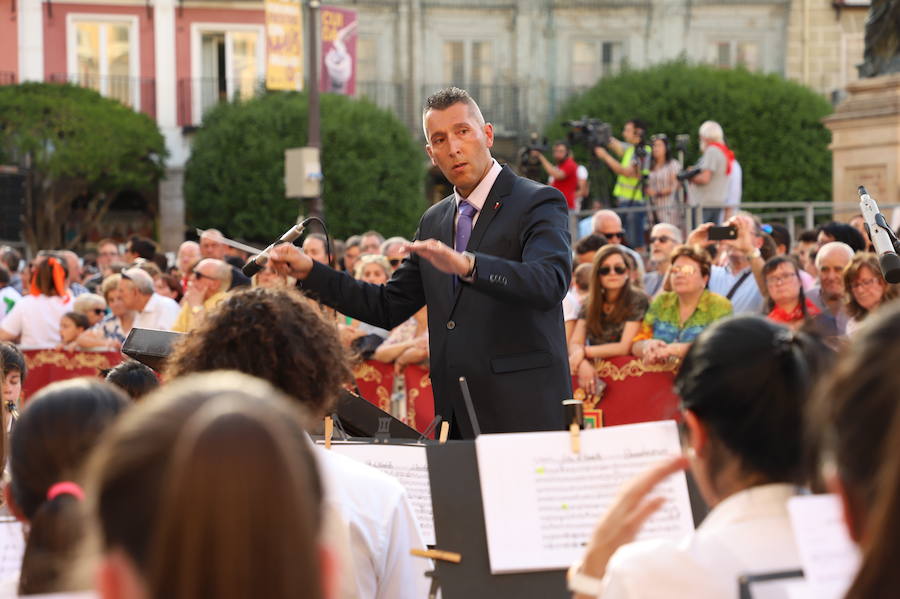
[(409, 465), (12, 548), (541, 501), (829, 557)]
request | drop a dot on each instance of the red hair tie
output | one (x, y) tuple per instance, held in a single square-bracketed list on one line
[(65, 488)]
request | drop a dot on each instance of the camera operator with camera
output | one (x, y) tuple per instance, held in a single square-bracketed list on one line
[(709, 178), (564, 176), (631, 168)]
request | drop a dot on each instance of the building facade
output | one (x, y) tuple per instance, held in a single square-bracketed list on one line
[(521, 59)]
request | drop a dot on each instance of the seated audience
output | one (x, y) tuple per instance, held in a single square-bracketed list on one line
[(12, 377), (73, 272), (49, 445), (609, 225), (206, 289), (296, 350), (788, 303), (11, 259), (586, 247), (675, 318), (136, 379), (188, 255), (182, 510), (363, 337), (392, 249), (743, 386), (93, 306), (370, 242), (152, 311), (351, 253), (316, 247), (139, 247), (110, 333), (8, 294), (33, 322), (829, 296), (867, 289), (268, 278), (842, 232), (805, 249), (574, 300), (663, 239), (168, 286), (406, 344), (609, 319), (71, 325)]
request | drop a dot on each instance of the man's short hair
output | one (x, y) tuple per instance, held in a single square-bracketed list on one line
[(372, 233), (712, 131), (831, 246), (354, 241), (4, 276), (671, 230), (639, 124), (143, 282), (143, 247), (392, 241), (809, 236), (563, 143), (447, 97), (590, 243), (134, 378), (12, 360), (781, 235), (11, 257)]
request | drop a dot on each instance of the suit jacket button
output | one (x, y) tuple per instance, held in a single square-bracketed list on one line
[(451, 325)]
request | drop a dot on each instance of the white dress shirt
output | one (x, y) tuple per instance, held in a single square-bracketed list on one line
[(479, 194), (159, 313), (747, 533), (382, 528)]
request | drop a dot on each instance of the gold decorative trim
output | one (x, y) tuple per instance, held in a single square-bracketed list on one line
[(68, 360), (636, 367), (367, 372)]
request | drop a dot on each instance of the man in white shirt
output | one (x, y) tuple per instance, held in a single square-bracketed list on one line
[(154, 311)]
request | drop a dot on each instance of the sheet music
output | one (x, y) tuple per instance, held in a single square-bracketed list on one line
[(829, 557), (12, 548), (541, 501), (409, 465)]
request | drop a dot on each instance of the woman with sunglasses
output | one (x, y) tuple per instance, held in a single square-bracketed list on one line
[(677, 317), (609, 319), (662, 186), (866, 289), (788, 303)]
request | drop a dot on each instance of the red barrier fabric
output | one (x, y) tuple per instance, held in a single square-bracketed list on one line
[(419, 398), (375, 381), (46, 366)]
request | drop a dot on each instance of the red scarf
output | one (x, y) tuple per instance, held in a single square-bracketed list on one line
[(729, 155), (782, 315)]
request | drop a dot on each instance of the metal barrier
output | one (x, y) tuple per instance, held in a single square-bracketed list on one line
[(788, 213)]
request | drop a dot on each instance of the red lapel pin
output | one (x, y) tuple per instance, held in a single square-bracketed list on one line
[(497, 205)]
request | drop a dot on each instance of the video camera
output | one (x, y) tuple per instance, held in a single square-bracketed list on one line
[(530, 166), (590, 132), (688, 174)]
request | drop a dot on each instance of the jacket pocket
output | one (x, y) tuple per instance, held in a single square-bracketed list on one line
[(515, 362)]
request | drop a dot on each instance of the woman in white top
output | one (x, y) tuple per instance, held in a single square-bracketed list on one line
[(33, 322), (743, 385)]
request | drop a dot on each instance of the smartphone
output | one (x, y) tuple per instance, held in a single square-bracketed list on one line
[(720, 233)]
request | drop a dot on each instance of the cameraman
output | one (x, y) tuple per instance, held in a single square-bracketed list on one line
[(630, 168), (564, 176), (709, 187)]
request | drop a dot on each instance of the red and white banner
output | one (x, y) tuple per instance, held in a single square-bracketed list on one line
[(338, 67)]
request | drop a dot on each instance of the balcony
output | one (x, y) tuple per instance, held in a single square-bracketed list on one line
[(196, 95), (135, 92)]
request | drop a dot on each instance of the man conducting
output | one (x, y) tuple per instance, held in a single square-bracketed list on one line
[(492, 262)]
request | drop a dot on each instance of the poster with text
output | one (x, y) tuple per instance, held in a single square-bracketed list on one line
[(338, 51), (284, 45)]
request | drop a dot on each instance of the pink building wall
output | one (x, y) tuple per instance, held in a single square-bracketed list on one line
[(9, 39)]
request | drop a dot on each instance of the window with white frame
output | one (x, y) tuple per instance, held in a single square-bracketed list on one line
[(592, 60), (735, 53), (103, 55), (228, 63)]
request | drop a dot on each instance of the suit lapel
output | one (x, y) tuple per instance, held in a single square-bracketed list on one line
[(447, 234), (492, 205)]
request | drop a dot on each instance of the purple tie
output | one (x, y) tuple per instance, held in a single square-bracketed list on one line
[(464, 225)]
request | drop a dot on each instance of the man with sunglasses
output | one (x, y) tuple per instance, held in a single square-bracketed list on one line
[(207, 286), (663, 239), (608, 224)]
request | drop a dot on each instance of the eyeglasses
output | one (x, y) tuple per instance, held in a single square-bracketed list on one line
[(99, 311), (780, 280), (860, 283), (395, 261), (620, 235), (109, 253), (661, 239), (683, 269), (618, 268), (199, 275)]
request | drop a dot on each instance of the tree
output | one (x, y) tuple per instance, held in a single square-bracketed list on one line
[(373, 170), (75, 144), (773, 126)]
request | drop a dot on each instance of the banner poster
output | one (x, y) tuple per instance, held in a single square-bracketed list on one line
[(284, 45), (338, 51)]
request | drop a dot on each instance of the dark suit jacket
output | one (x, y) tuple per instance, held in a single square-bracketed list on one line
[(504, 331)]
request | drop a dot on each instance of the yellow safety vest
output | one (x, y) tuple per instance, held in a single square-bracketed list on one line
[(628, 188)]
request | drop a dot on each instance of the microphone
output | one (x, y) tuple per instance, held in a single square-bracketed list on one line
[(882, 236), (256, 263)]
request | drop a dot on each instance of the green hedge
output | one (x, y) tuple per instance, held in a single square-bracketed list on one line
[(373, 170), (772, 125)]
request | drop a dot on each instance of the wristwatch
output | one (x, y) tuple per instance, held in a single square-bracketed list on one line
[(578, 582), (754, 254), (470, 275)]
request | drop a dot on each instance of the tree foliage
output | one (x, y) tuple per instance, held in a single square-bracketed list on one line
[(773, 126), (373, 170), (77, 144)]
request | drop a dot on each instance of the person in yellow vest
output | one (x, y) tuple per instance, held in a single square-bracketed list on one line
[(207, 285), (631, 167)]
